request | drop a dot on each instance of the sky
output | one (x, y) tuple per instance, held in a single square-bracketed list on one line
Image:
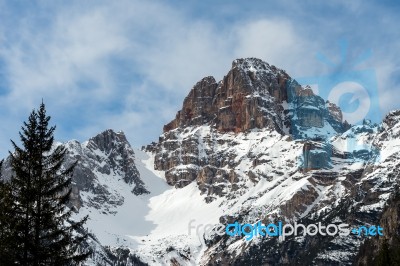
[(127, 65)]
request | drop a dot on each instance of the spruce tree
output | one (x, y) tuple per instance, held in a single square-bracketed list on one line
[(7, 248), (44, 234)]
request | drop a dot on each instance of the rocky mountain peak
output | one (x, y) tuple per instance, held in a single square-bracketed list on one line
[(104, 158), (252, 95), (107, 141), (255, 64), (246, 98)]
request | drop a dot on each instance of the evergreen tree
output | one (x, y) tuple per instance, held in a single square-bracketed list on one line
[(7, 247), (44, 234)]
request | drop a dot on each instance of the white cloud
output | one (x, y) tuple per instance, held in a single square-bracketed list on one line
[(169, 51), (74, 61), (277, 42), (50, 62)]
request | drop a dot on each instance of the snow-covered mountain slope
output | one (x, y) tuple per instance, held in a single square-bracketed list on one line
[(354, 190), (153, 222), (106, 180)]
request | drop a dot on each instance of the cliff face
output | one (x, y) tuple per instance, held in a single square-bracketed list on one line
[(236, 103), (254, 94)]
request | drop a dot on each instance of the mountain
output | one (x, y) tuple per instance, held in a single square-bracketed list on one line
[(259, 147), (105, 158), (252, 96), (253, 147)]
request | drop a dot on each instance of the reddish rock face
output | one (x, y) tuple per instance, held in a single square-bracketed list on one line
[(198, 105), (237, 102)]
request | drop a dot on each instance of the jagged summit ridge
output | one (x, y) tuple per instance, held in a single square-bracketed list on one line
[(107, 140), (255, 94), (234, 103), (254, 64)]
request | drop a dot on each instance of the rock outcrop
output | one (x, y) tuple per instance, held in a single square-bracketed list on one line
[(316, 156)]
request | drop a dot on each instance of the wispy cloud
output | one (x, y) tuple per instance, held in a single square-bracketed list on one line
[(128, 65)]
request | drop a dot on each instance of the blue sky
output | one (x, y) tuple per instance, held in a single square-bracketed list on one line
[(127, 65)]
